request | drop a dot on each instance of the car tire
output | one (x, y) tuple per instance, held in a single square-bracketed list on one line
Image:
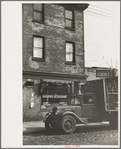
[(68, 124)]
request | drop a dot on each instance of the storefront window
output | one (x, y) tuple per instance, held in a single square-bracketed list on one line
[(54, 102)]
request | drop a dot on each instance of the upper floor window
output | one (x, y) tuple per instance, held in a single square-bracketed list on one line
[(70, 52), (38, 14), (38, 48), (69, 19)]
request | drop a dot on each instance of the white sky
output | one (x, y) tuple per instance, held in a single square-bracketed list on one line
[(102, 34)]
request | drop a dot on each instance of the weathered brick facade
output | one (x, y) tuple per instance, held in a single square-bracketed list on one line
[(55, 35)]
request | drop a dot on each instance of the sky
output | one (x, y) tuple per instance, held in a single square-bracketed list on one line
[(102, 34)]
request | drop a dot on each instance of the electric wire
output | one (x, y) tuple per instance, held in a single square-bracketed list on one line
[(103, 11), (93, 58), (98, 61), (108, 64), (99, 14), (103, 60), (103, 8)]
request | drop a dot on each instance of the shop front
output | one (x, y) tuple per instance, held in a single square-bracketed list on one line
[(42, 93)]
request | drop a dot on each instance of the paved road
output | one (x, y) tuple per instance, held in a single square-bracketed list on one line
[(84, 135)]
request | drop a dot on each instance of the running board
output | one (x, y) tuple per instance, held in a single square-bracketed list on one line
[(84, 120), (95, 124)]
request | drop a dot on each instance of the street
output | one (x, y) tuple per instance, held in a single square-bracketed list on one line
[(84, 135)]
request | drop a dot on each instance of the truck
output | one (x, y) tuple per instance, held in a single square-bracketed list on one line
[(97, 102)]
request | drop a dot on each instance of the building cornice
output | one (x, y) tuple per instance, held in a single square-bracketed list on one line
[(59, 76), (77, 7)]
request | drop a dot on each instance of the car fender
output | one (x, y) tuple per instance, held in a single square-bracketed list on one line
[(78, 120)]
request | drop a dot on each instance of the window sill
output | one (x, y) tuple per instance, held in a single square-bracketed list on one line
[(68, 28), (38, 59), (70, 63), (37, 21)]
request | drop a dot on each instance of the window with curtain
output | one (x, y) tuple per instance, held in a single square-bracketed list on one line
[(38, 47), (70, 52)]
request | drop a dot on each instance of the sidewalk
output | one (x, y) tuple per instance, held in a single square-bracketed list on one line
[(33, 126), (38, 126)]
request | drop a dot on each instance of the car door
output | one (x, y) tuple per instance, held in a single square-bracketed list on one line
[(88, 106), (76, 102)]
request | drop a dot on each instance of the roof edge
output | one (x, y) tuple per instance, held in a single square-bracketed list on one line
[(78, 7)]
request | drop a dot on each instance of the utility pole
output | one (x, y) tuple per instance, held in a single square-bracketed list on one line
[(111, 64)]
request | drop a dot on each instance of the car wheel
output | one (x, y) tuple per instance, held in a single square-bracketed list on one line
[(68, 124)]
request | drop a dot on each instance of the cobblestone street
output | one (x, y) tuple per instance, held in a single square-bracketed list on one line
[(89, 135)]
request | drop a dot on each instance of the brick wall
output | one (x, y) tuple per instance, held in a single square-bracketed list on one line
[(55, 36), (31, 114)]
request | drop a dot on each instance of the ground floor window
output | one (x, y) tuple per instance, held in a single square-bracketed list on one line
[(55, 95)]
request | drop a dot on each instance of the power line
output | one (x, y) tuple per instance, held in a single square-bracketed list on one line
[(99, 14), (108, 64), (103, 60), (100, 11), (114, 60), (94, 58), (103, 8), (101, 64), (95, 15)]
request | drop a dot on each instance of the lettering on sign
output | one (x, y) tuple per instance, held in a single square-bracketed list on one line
[(54, 96), (102, 73)]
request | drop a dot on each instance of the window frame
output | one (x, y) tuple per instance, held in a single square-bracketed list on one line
[(43, 56), (74, 59), (42, 12), (78, 103), (73, 20), (89, 103)]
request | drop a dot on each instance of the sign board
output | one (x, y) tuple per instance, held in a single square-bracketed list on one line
[(54, 96), (102, 73)]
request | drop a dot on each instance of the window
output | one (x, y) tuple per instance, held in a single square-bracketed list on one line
[(70, 55), (38, 47), (76, 101), (38, 14), (69, 19), (88, 100)]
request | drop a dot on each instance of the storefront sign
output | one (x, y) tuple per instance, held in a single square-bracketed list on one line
[(54, 96), (103, 73)]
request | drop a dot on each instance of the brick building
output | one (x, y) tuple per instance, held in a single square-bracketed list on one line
[(53, 54)]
